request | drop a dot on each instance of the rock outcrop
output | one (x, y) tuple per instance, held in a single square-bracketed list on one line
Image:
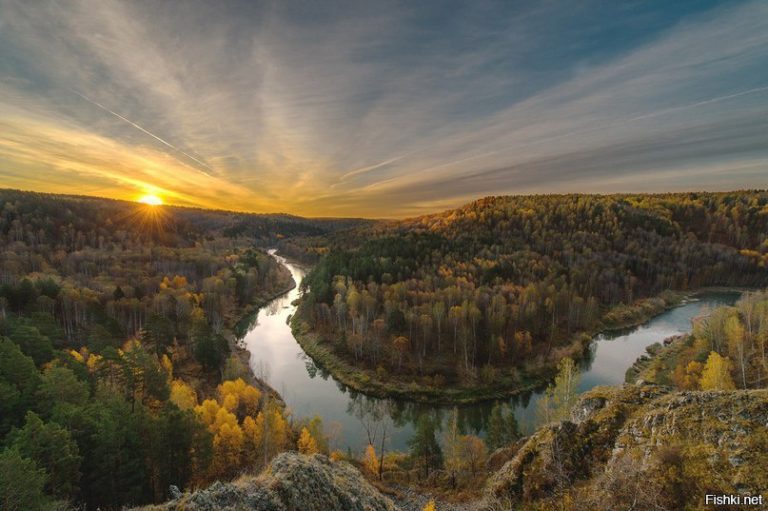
[(642, 444), (293, 482)]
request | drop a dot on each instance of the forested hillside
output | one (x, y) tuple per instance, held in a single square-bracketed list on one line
[(116, 372), (503, 286)]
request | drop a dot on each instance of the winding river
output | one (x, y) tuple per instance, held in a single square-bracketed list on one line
[(310, 391)]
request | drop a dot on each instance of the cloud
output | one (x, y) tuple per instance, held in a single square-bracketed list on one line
[(379, 109)]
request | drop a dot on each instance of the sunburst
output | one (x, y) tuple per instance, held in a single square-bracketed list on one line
[(150, 200)]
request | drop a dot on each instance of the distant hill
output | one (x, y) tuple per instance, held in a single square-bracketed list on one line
[(34, 211)]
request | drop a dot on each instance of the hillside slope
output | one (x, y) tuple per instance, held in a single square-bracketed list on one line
[(498, 291)]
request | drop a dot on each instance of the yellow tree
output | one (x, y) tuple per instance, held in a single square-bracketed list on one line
[(717, 373), (430, 506), (253, 431), (370, 460), (306, 444), (182, 395), (207, 411), (228, 448), (239, 397)]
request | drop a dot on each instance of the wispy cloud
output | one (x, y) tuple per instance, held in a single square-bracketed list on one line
[(351, 108)]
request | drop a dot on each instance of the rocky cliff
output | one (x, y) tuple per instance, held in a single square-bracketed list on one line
[(640, 447), (293, 482)]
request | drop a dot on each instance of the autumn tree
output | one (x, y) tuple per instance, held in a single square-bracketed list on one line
[(473, 452), (306, 443), (717, 373), (370, 460)]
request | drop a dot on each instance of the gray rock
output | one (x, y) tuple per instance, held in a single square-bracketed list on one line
[(293, 481), (174, 492)]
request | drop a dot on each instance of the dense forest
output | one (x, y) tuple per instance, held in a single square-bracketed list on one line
[(505, 285), (117, 371)]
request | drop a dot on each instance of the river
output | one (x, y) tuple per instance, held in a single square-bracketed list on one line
[(310, 391)]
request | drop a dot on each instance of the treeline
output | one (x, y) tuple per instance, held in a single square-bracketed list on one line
[(95, 272), (511, 281)]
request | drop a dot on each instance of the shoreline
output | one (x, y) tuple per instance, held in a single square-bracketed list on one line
[(366, 381)]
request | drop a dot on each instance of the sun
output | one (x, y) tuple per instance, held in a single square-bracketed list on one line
[(151, 200)]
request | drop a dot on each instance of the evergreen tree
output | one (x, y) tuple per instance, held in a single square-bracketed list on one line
[(19, 380), (502, 427), (159, 332), (32, 343), (21, 483), (424, 445), (52, 448)]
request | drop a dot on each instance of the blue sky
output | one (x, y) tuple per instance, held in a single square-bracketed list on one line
[(380, 109)]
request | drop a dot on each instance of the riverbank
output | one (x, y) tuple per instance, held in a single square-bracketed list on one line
[(505, 386)]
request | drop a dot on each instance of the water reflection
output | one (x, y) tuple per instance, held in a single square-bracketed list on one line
[(352, 418)]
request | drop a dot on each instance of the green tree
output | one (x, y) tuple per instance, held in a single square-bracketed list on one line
[(52, 448), (32, 343), (59, 385), (209, 348), (159, 333), (18, 382), (109, 437), (172, 441), (502, 427), (556, 403), (21, 483), (424, 446)]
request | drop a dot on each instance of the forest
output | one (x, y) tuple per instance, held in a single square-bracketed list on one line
[(121, 383), (118, 372), (505, 287)]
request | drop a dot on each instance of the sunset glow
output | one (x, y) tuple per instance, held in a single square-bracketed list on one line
[(151, 200), (367, 109)]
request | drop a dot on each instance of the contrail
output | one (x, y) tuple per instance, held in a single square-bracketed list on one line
[(171, 146), (700, 103)]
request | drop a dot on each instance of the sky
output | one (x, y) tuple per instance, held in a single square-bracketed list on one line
[(380, 108)]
